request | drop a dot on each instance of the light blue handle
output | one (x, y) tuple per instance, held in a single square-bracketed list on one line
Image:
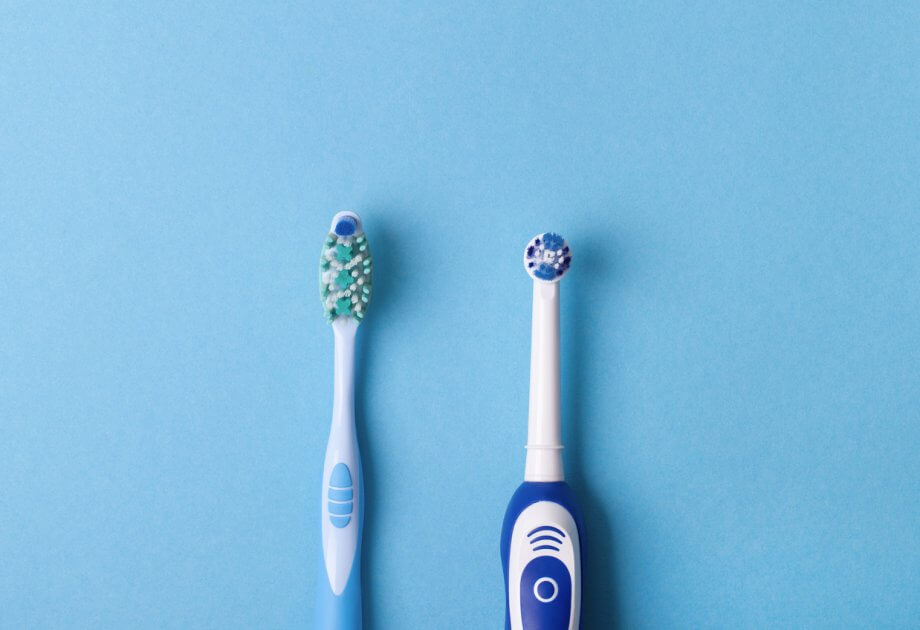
[(340, 612), (343, 528), (339, 584)]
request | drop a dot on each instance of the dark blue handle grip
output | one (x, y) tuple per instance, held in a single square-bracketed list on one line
[(544, 586)]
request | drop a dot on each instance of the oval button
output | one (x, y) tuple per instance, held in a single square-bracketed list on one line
[(340, 477)]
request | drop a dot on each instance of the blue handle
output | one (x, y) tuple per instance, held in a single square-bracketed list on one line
[(339, 583), (340, 612), (543, 526)]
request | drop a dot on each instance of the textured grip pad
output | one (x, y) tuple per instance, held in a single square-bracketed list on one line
[(544, 569)]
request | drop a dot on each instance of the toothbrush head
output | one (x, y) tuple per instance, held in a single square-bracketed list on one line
[(345, 269), (547, 257)]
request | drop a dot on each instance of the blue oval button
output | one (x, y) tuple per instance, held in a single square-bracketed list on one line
[(341, 476), (546, 594)]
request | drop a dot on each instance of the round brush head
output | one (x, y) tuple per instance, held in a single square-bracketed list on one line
[(547, 257)]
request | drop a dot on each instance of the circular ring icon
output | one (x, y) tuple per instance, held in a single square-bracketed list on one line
[(540, 593)]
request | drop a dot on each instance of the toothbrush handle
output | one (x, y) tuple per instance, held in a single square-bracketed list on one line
[(342, 501), (343, 515), (541, 551)]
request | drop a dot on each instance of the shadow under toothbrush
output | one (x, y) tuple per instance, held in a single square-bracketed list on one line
[(600, 603), (385, 251)]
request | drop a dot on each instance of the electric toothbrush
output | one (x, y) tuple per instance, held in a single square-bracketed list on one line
[(345, 289), (541, 543)]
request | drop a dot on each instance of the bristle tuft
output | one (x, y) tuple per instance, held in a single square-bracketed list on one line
[(547, 257), (345, 278)]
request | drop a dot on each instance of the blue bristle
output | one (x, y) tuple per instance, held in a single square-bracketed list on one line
[(346, 226), (545, 272), (553, 241)]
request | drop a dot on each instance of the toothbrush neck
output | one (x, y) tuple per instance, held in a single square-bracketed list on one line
[(343, 402), (544, 430)]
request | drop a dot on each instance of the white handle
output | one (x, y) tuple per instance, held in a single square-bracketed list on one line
[(342, 484), (544, 428)]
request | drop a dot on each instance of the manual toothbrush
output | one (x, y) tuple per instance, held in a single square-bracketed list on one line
[(345, 288)]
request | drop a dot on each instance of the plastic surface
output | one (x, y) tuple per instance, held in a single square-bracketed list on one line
[(541, 533), (547, 257), (544, 430), (542, 550), (342, 611), (339, 588)]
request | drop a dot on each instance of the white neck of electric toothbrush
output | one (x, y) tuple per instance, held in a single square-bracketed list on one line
[(544, 427)]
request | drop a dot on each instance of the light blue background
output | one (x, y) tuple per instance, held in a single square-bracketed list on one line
[(741, 391)]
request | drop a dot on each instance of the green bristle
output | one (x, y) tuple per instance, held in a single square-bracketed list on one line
[(341, 271)]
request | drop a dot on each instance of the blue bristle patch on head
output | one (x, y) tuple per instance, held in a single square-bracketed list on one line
[(547, 257), (552, 240), (545, 272), (346, 226)]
